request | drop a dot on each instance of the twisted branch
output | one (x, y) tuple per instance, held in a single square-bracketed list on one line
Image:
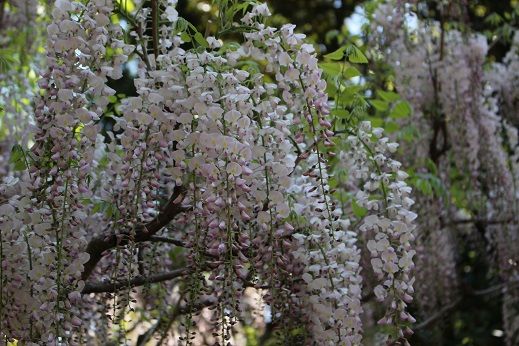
[(98, 245)]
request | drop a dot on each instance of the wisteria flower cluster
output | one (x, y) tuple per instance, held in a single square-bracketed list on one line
[(215, 180)]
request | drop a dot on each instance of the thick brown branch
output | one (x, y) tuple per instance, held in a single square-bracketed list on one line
[(110, 287), (98, 245)]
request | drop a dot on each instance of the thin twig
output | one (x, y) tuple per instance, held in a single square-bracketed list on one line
[(438, 315), (155, 27), (479, 221), (110, 287), (159, 239)]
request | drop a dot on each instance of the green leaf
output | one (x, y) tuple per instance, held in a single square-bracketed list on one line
[(494, 19), (391, 127), (358, 210), (408, 133), (356, 56), (230, 46), (424, 186), (379, 105), (249, 66), (17, 158), (4, 64), (331, 88), (185, 37), (98, 207), (437, 186), (346, 97), (376, 122), (6, 60), (388, 96), (401, 110), (199, 38), (110, 210), (359, 103), (337, 55), (181, 25), (351, 72), (331, 68), (431, 166), (340, 113)]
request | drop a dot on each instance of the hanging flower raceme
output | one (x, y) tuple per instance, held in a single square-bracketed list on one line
[(386, 197), (48, 217)]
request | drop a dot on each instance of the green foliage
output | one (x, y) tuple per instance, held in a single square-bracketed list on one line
[(400, 110), (251, 335), (199, 38), (351, 52), (350, 72), (331, 68), (18, 158), (109, 209), (189, 33), (358, 211), (379, 105), (337, 55), (7, 60), (502, 26), (228, 10), (355, 55), (388, 96), (427, 184)]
